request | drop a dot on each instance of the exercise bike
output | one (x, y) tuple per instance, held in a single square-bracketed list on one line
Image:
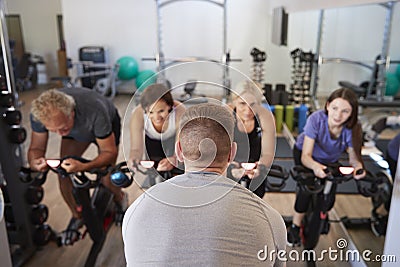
[(275, 177), (96, 206), (316, 221), (122, 175)]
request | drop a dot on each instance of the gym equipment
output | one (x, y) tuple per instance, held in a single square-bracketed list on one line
[(378, 97), (96, 204), (6, 99), (12, 116), (259, 57), (316, 220), (17, 134), (289, 117), (128, 68), (392, 84), (299, 92), (121, 175), (275, 177), (92, 72), (144, 79), (303, 110), (278, 117), (398, 71), (34, 194), (39, 214), (92, 54), (163, 63)]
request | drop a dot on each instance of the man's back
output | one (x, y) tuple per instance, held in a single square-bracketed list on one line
[(201, 219)]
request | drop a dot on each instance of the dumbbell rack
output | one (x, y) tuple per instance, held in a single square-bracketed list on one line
[(299, 92), (20, 206)]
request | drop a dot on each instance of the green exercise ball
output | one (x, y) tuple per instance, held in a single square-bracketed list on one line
[(392, 84), (128, 68), (145, 78), (398, 72)]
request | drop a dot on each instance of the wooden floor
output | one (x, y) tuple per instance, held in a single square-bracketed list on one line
[(113, 254)]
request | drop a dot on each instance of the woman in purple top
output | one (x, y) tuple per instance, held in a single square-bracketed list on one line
[(327, 134)]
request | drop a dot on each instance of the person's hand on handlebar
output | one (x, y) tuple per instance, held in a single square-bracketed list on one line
[(319, 171), (39, 164), (166, 164), (71, 165), (237, 171), (133, 163), (359, 173), (254, 172)]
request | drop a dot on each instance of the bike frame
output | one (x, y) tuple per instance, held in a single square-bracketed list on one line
[(95, 208)]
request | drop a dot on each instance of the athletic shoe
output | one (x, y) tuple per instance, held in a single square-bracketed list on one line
[(293, 236)]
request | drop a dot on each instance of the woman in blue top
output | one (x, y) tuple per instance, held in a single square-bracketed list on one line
[(327, 134)]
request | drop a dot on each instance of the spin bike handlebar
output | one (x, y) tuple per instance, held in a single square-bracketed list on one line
[(79, 179), (336, 173), (122, 175), (275, 177)]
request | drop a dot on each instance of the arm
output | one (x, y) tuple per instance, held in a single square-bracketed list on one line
[(267, 123), (308, 161), (37, 151), (169, 163), (136, 127), (355, 163), (108, 153)]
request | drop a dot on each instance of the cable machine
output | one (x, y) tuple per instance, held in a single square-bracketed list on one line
[(163, 62), (375, 97)]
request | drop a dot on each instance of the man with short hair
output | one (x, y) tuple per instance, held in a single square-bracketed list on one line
[(81, 117), (202, 218)]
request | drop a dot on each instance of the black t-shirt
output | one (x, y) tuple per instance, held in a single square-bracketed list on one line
[(248, 144)]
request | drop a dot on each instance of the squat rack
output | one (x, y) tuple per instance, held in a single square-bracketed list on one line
[(378, 99), (163, 63)]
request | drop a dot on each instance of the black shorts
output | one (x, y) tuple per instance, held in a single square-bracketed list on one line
[(157, 149)]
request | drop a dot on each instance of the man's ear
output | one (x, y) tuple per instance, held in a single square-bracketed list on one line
[(233, 152), (178, 151)]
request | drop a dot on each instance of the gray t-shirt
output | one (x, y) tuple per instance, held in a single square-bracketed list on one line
[(201, 219), (93, 115)]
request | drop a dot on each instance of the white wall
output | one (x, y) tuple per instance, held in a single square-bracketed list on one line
[(128, 27), (39, 26)]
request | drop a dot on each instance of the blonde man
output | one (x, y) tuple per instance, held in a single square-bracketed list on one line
[(81, 117)]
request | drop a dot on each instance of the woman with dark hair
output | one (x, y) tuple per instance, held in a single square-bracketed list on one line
[(327, 134), (153, 127)]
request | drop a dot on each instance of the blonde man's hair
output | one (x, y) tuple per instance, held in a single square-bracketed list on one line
[(249, 87), (44, 106), (206, 134)]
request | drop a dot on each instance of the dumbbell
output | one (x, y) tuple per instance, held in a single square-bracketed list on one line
[(39, 214), (6, 99), (12, 116), (17, 134), (42, 234), (34, 194), (26, 175)]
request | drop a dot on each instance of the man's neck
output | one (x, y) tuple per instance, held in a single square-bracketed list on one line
[(218, 170)]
